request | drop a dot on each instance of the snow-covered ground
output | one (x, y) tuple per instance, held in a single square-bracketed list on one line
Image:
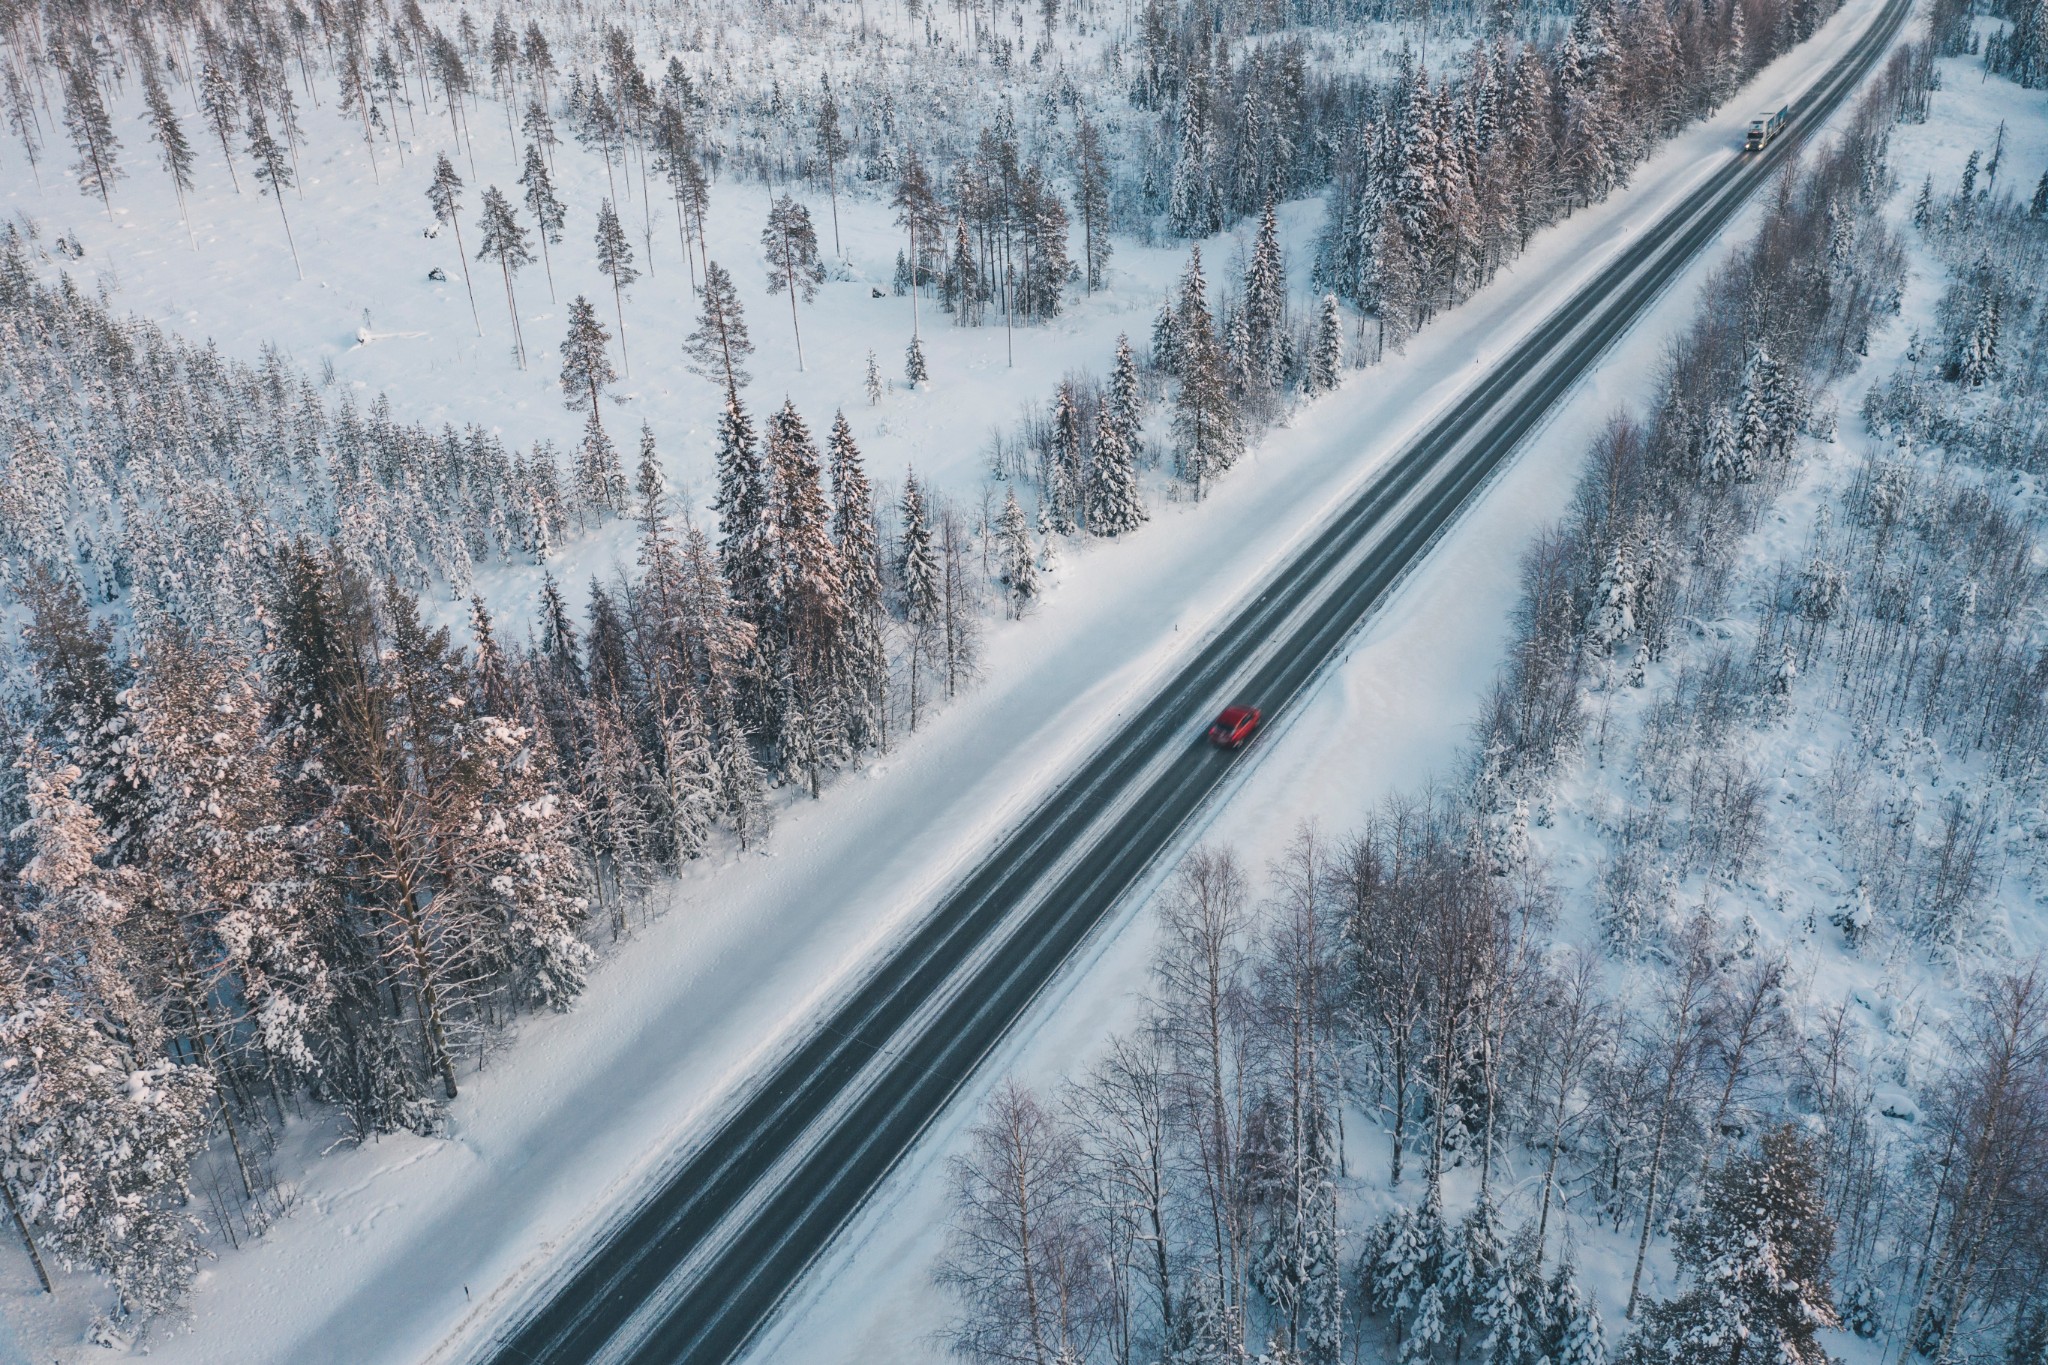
[(1392, 715), (410, 1248)]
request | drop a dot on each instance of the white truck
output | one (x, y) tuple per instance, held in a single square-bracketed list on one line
[(1766, 126)]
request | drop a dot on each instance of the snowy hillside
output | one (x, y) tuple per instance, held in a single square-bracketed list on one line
[(1705, 1009), (535, 542)]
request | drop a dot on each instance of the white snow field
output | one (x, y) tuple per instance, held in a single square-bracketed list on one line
[(415, 1248)]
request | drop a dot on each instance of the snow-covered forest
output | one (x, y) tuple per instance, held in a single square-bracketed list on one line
[(353, 709), (1711, 992)]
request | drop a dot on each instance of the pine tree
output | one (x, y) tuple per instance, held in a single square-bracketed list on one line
[(963, 279), (539, 128), (1403, 1278), (718, 348), (1019, 560), (1572, 1334), (218, 101), (615, 259), (833, 146), (90, 128), (1757, 1249), (1326, 352), (1091, 200), (274, 174), (444, 195), (791, 246), (22, 121), (914, 372), (505, 242), (170, 137), (586, 362), (1923, 205), (549, 214), (676, 163)]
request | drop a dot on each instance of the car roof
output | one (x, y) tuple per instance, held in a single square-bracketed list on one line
[(1233, 714)]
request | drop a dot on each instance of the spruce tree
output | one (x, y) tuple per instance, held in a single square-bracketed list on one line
[(599, 476), (1204, 419), (914, 372), (1063, 478), (860, 560), (1572, 1334), (809, 594), (1115, 504), (917, 567), (1019, 560), (963, 279), (1264, 308), (1326, 352), (659, 555)]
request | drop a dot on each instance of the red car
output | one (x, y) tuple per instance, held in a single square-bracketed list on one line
[(1234, 727)]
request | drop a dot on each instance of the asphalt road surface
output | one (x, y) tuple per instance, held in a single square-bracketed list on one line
[(692, 1274)]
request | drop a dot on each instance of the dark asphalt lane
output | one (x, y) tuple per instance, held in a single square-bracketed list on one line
[(692, 1274)]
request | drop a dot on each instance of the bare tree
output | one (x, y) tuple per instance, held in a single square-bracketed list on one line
[(1201, 981), (1019, 1258), (1673, 1044), (1988, 1140), (1125, 1117), (1572, 1033)]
